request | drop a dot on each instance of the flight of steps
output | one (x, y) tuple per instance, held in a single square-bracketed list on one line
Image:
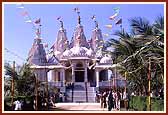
[(79, 93)]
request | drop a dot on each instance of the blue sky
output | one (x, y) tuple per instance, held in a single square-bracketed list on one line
[(19, 36)]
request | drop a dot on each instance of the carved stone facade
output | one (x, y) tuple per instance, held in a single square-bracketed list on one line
[(78, 69)]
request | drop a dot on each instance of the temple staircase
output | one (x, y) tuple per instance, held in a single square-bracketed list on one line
[(80, 92)]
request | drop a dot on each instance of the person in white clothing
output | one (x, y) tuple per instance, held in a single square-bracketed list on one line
[(18, 105)]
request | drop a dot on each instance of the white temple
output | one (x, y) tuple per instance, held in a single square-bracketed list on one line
[(79, 63)]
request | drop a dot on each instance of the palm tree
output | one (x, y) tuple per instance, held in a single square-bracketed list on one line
[(24, 80), (133, 51)]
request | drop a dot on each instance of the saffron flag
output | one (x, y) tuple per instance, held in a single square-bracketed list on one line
[(89, 41), (117, 9), (58, 18), (119, 21), (106, 35), (28, 21), (101, 41), (20, 6), (52, 47), (37, 21), (76, 9), (113, 16), (93, 17), (100, 46), (46, 45), (109, 26), (25, 13)]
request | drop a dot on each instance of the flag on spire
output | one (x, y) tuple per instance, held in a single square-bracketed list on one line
[(117, 9), (113, 16), (93, 17), (119, 21), (37, 21), (46, 45), (101, 41), (59, 18), (28, 21), (76, 10), (100, 46), (20, 6), (52, 47), (25, 13), (105, 35), (90, 41), (109, 26)]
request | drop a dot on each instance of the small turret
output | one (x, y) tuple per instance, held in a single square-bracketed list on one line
[(37, 54), (61, 43), (79, 38), (96, 38)]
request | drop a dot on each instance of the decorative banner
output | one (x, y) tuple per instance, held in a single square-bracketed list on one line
[(59, 18), (76, 10), (89, 41), (113, 16), (52, 47), (93, 17), (24, 13), (28, 21), (106, 35), (101, 41), (20, 6), (117, 9), (46, 45), (109, 26), (119, 21), (37, 21), (100, 46)]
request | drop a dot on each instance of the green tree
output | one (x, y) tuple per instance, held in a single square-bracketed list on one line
[(132, 51), (24, 81)]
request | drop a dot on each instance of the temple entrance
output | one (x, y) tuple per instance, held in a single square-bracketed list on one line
[(103, 75), (79, 76), (79, 73), (91, 77), (68, 73)]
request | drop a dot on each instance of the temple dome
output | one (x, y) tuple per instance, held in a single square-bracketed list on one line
[(67, 53), (106, 60), (79, 51), (57, 53), (89, 52)]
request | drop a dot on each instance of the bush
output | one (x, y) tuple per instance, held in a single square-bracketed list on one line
[(140, 103)]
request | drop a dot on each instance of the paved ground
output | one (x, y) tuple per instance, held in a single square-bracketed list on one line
[(79, 107)]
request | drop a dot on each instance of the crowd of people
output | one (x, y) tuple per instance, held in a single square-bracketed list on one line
[(111, 99)]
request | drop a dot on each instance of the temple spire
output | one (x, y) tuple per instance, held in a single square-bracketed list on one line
[(78, 12), (96, 38), (61, 22), (38, 31), (96, 24), (38, 25), (95, 21), (62, 25)]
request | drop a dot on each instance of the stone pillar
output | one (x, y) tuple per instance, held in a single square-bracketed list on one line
[(73, 73), (56, 75), (63, 77), (85, 75), (53, 75), (97, 78)]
